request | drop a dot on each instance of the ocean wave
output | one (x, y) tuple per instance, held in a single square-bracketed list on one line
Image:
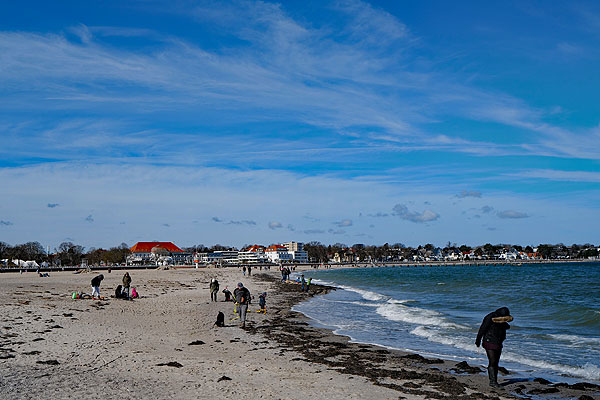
[(434, 336), (366, 294), (395, 301), (357, 303), (415, 315), (587, 371), (577, 340)]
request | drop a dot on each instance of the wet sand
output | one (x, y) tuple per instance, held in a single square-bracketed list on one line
[(164, 345)]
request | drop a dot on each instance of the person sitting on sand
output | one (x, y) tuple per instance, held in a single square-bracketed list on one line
[(126, 284), (242, 298), (493, 332), (96, 286), (227, 294)]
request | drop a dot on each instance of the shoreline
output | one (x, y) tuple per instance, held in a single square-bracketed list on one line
[(308, 266), (164, 345), (454, 379)]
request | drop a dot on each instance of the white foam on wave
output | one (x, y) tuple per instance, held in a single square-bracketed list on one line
[(366, 294), (433, 335), (577, 340), (587, 371), (358, 303), (322, 282), (394, 301), (414, 315)]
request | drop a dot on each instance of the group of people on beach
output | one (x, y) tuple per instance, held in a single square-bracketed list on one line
[(121, 291), (491, 334), (241, 297)]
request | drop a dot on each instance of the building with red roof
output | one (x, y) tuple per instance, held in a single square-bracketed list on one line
[(142, 252), (253, 255)]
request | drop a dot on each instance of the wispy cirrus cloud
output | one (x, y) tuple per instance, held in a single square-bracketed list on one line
[(233, 222), (288, 69), (560, 175)]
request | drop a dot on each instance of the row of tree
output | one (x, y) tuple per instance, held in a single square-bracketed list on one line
[(319, 252), (322, 253), (67, 253)]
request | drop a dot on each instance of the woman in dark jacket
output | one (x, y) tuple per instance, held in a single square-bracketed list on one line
[(493, 332)]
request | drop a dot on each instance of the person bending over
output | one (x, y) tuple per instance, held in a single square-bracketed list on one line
[(493, 332)]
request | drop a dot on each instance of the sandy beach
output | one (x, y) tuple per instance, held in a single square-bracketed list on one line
[(165, 345)]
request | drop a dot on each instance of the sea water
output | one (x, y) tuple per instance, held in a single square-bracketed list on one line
[(437, 311)]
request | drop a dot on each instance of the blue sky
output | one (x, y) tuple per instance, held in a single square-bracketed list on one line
[(261, 122)]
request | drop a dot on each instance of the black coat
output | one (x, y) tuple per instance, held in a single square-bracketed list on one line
[(240, 293), (493, 332), (96, 281)]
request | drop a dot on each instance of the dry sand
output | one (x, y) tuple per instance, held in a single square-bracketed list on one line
[(164, 345)]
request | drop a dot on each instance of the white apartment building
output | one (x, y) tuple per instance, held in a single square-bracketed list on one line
[(221, 256), (253, 255), (297, 252), (277, 253)]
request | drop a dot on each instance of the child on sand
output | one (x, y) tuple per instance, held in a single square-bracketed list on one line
[(227, 294), (262, 302)]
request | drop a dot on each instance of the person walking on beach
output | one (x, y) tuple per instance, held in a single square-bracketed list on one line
[(242, 298), (126, 283), (303, 283), (244, 270), (96, 286), (249, 270), (493, 332), (214, 289), (308, 284)]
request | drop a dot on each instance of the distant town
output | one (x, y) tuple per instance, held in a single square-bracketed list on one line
[(154, 253)]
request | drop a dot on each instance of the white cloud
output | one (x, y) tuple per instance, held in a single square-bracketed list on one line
[(289, 71), (275, 225), (402, 211), (559, 175)]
